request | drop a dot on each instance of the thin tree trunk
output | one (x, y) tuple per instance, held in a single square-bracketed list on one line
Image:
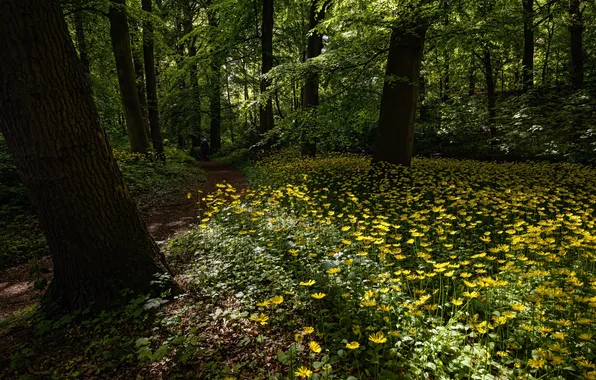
[(151, 78), (187, 28), (140, 79), (98, 242), (231, 127), (528, 58), (82, 43), (266, 111), (139, 141), (551, 32), (472, 77), (215, 87), (310, 92), (491, 92), (395, 131), (576, 28)]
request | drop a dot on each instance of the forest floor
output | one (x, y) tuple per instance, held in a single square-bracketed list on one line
[(171, 218)]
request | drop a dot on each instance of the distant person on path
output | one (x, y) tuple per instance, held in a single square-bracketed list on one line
[(205, 150)]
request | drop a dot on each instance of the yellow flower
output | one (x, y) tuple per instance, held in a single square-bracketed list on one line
[(303, 372), (277, 300), (188, 196), (333, 270), (308, 330), (457, 302), (449, 274), (298, 338), (307, 283), (536, 363), (314, 347), (318, 296), (353, 345), (262, 319), (378, 338), (518, 307), (264, 303), (585, 336)]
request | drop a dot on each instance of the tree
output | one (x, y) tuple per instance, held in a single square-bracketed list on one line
[(266, 111), (215, 65), (310, 92), (98, 242), (150, 77), (576, 28), (120, 36), (82, 43), (528, 58), (395, 130)]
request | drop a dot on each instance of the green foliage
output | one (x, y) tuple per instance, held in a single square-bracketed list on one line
[(151, 183), (448, 269)]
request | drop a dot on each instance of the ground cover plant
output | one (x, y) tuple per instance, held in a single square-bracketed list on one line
[(447, 269), (151, 183)]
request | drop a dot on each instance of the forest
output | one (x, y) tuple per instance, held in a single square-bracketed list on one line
[(298, 189)]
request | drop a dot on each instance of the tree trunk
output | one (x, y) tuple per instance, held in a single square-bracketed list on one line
[(215, 105), (472, 77), (395, 131), (82, 43), (140, 79), (215, 87), (310, 92), (576, 28), (491, 92), (139, 141), (551, 31), (98, 242), (266, 111), (528, 58), (150, 77)]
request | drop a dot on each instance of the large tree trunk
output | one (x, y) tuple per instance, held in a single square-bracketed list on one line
[(395, 131), (82, 43), (310, 92), (576, 29), (98, 242), (150, 77), (266, 111), (528, 58), (139, 141)]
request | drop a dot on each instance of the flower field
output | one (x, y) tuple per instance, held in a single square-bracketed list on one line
[(448, 269)]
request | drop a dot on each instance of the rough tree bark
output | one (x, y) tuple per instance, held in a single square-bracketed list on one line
[(139, 141), (576, 29), (310, 92), (395, 131), (150, 77), (266, 111), (528, 58), (98, 242)]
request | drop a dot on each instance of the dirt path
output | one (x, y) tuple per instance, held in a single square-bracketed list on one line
[(173, 219)]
